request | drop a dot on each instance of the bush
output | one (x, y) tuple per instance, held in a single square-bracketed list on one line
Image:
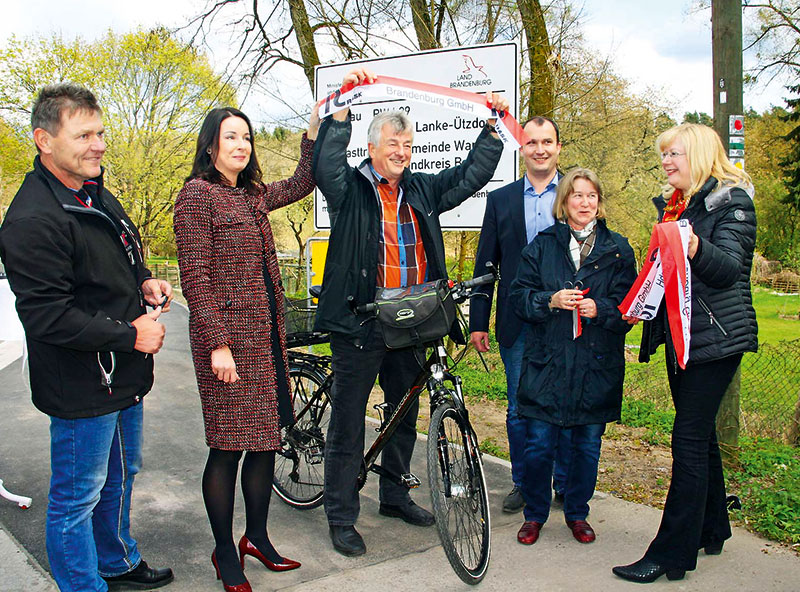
[(767, 479), (640, 413)]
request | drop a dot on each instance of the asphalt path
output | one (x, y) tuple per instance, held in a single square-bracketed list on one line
[(170, 523)]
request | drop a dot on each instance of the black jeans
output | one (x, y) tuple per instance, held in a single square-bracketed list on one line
[(354, 376), (695, 514)]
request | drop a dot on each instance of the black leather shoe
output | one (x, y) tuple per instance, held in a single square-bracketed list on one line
[(142, 577), (645, 571), (558, 498), (513, 502), (410, 513), (347, 541)]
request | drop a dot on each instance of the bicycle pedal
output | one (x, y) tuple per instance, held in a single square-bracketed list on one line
[(410, 480)]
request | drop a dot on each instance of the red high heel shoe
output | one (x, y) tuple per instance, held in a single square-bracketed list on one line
[(248, 548), (238, 587)]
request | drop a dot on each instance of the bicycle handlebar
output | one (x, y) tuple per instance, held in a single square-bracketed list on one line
[(459, 290)]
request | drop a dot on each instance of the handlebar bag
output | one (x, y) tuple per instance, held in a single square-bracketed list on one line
[(415, 315)]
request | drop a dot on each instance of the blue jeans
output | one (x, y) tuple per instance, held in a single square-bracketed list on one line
[(581, 478), (516, 424), (354, 373), (93, 462)]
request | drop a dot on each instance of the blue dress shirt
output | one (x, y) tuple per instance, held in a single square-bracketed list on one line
[(539, 207)]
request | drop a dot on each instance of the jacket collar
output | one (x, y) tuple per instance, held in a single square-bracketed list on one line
[(366, 168), (63, 194)]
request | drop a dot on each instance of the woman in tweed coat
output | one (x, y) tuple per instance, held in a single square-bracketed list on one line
[(231, 281)]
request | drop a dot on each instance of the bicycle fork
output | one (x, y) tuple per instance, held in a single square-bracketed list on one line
[(440, 394)]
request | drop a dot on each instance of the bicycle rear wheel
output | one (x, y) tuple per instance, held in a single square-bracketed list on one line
[(458, 493), (299, 475)]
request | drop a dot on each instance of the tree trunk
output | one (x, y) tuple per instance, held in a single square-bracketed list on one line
[(305, 38), (462, 255), (728, 420), (423, 24), (540, 90)]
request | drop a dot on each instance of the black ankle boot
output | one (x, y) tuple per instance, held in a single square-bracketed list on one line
[(645, 571)]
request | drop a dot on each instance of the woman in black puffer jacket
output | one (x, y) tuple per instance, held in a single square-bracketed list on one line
[(716, 198)]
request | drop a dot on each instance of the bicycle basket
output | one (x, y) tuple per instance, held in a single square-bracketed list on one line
[(415, 315), (299, 316)]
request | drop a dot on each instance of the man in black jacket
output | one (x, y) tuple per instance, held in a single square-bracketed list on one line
[(385, 232), (74, 262)]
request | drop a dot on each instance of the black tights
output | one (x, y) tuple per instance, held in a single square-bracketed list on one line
[(219, 485)]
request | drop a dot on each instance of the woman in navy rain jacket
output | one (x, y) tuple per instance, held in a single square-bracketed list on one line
[(568, 381)]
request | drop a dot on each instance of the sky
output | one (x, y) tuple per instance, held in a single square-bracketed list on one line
[(658, 46)]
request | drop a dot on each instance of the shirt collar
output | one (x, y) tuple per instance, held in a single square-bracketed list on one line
[(378, 177), (551, 185)]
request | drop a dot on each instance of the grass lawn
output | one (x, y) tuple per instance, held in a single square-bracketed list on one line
[(769, 310)]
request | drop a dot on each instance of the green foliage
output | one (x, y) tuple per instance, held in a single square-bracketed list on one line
[(639, 413), (700, 117), (767, 479), (611, 130), (490, 446), (16, 154), (154, 91), (766, 148)]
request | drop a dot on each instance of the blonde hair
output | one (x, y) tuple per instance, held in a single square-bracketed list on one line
[(704, 153), (566, 187)]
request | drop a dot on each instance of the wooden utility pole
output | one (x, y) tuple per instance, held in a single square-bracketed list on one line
[(726, 43)]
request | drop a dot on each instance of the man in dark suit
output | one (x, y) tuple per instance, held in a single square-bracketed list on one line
[(514, 215)]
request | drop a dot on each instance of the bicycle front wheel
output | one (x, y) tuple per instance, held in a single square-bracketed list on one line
[(458, 493), (299, 475)]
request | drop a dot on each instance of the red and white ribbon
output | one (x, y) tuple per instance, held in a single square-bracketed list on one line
[(509, 131), (666, 275), (577, 325)]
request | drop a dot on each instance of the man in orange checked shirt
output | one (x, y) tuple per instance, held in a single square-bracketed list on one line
[(385, 232)]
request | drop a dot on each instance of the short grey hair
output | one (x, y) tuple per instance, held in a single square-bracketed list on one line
[(397, 119), (53, 99)]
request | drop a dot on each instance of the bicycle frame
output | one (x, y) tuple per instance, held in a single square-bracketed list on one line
[(431, 376)]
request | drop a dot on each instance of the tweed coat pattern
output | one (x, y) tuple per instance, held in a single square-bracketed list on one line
[(224, 239)]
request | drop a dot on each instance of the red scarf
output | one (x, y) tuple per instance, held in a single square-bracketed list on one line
[(675, 207)]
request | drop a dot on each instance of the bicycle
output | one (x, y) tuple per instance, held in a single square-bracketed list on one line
[(459, 497), (299, 478)]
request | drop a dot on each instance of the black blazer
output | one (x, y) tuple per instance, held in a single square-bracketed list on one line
[(503, 236)]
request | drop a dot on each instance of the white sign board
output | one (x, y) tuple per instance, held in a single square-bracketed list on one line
[(442, 137)]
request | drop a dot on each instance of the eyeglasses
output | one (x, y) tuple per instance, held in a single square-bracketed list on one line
[(589, 196), (672, 154)]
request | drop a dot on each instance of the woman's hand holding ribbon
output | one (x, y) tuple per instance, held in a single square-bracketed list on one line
[(587, 308), (567, 299)]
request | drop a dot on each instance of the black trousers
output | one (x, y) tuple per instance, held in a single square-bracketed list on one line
[(695, 514), (354, 376)]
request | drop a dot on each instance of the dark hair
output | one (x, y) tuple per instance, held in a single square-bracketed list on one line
[(53, 99), (208, 144), (540, 120)]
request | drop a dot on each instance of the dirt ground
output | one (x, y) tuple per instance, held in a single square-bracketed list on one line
[(630, 467)]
